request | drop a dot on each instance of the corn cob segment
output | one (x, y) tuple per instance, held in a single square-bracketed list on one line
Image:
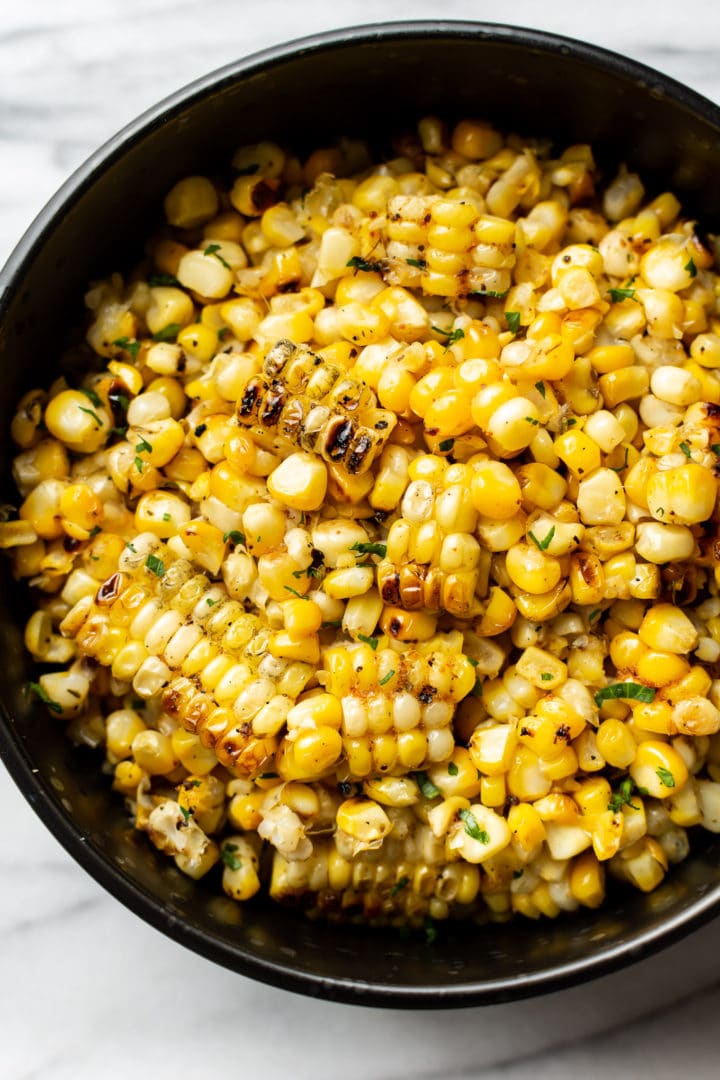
[(178, 635), (397, 708), (299, 401)]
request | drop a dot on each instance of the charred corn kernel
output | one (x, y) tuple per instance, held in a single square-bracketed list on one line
[(169, 307), (667, 628), (300, 482), (615, 743), (77, 422), (191, 202), (579, 452), (601, 499), (530, 569), (153, 752), (682, 496), (659, 769)]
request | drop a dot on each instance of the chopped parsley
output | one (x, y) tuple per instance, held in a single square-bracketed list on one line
[(268, 776), (512, 318), (472, 828), (162, 279), (231, 860), (716, 448), (420, 264), (167, 517), (139, 464), (622, 797), (187, 814), (94, 531), (371, 641), (131, 547), (491, 293), (370, 548), (295, 592), (540, 387), (686, 449), (617, 295), (129, 345), (666, 777), (627, 690), (691, 268), (543, 544), (446, 446), (358, 263), (143, 447), (430, 930), (94, 415), (95, 398), (399, 885), (386, 678), (214, 249), (426, 785), (155, 565), (457, 334), (235, 536), (330, 624), (546, 676), (210, 602), (37, 689), (168, 333), (531, 420), (452, 769)]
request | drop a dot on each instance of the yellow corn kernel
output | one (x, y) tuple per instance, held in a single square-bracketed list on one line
[(668, 629), (153, 752), (492, 748), (625, 384), (300, 482), (579, 452), (191, 202), (530, 569), (682, 496), (527, 829), (615, 743), (659, 769), (587, 880)]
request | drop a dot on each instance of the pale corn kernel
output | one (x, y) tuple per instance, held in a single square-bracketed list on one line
[(300, 482)]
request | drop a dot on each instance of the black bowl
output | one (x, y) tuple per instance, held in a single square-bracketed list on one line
[(364, 81)]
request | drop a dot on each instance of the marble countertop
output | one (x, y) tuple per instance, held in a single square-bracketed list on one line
[(87, 990)]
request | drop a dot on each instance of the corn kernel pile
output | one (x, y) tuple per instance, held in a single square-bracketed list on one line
[(376, 545)]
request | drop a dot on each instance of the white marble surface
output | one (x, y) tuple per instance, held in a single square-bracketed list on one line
[(87, 990)]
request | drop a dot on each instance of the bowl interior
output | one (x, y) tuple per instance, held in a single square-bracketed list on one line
[(374, 82)]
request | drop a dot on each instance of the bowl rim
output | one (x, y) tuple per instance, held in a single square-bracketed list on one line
[(12, 749)]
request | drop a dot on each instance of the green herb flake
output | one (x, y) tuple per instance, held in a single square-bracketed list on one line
[(457, 335), (139, 464), (155, 565), (223, 332), (618, 295), (121, 431), (446, 446), (386, 678), (629, 691), (477, 690), (622, 797), (686, 449), (490, 293), (400, 884), (331, 624), (131, 547), (371, 641), (665, 776), (540, 387), (163, 279), (472, 660), (543, 544), (716, 448), (472, 828), (268, 776), (94, 398), (426, 785), (129, 345), (168, 333), (231, 860), (419, 264), (94, 531), (532, 420), (370, 549), (90, 412), (512, 318), (300, 596), (214, 249), (594, 614), (546, 676), (36, 688), (167, 517), (143, 447), (452, 769), (235, 536), (691, 268), (210, 602), (358, 263), (187, 814)]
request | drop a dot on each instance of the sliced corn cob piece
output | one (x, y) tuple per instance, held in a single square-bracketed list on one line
[(300, 401)]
